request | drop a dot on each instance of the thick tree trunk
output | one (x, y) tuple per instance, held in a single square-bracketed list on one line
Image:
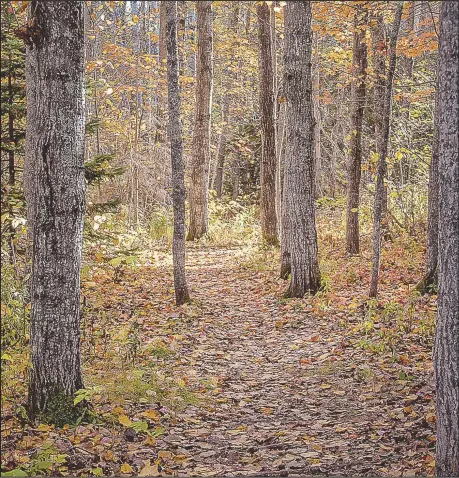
[(199, 185), (446, 356), (269, 221), (177, 160), (299, 158), (359, 68), (380, 192), (56, 197)]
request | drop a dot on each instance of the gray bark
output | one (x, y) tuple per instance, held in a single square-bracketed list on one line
[(199, 185), (299, 158), (268, 213), (446, 355), (55, 191), (359, 67), (177, 160), (380, 192)]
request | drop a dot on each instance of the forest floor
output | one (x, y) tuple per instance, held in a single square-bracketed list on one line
[(243, 382)]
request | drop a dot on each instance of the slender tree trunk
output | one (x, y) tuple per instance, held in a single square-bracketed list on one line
[(430, 278), (446, 354), (221, 152), (299, 158), (269, 222), (277, 118), (378, 38), (359, 68), (236, 179), (177, 160), (56, 196), (11, 168), (382, 166), (162, 53), (227, 83), (199, 185)]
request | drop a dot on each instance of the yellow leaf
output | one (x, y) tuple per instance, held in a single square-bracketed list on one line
[(43, 428), (430, 417), (109, 456), (165, 455), (150, 441), (126, 468), (152, 415), (124, 420)]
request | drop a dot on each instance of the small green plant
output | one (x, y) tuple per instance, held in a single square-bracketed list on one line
[(160, 226)]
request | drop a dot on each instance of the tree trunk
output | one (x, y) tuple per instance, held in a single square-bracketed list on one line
[(199, 185), (378, 38), (177, 160), (446, 354), (56, 197), (159, 136), (299, 158), (359, 67), (221, 152), (11, 169), (236, 178), (269, 222), (430, 279), (382, 166)]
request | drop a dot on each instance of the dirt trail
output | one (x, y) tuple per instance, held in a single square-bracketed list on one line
[(290, 397), (281, 389)]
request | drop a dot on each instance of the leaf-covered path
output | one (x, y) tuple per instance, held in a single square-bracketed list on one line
[(289, 395), (242, 382)]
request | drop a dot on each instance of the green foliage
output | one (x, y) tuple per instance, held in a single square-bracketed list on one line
[(232, 223), (62, 410), (13, 82), (160, 225), (100, 168), (15, 309)]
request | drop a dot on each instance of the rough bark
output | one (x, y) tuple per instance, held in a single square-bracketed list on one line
[(446, 355), (299, 158), (268, 213), (200, 168), (177, 159), (56, 201), (381, 170), (359, 67)]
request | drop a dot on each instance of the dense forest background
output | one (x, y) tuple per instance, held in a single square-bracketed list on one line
[(293, 331)]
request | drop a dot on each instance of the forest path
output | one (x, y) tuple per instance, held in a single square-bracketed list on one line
[(277, 387), (287, 395)]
